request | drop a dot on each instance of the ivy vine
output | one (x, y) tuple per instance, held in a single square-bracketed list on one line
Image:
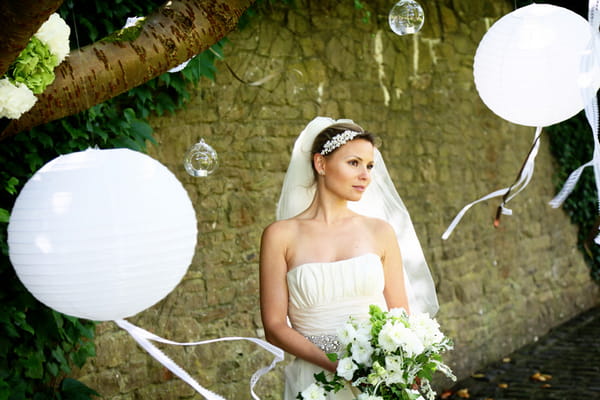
[(571, 144), (39, 346)]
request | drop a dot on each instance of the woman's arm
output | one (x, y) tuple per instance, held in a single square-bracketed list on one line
[(274, 298), (395, 289)]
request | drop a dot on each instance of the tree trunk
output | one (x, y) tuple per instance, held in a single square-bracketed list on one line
[(93, 74)]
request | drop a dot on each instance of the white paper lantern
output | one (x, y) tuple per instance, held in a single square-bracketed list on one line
[(102, 234), (527, 66)]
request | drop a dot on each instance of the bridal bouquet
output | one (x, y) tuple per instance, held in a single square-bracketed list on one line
[(391, 356)]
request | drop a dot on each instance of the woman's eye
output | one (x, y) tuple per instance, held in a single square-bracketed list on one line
[(354, 163), (370, 166)]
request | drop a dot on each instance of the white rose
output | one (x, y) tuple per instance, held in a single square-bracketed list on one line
[(346, 368), (427, 329), (313, 392), (15, 100), (395, 335), (54, 33)]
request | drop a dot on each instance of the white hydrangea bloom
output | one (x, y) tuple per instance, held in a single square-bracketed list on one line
[(15, 99), (346, 368), (427, 329), (54, 33), (313, 392)]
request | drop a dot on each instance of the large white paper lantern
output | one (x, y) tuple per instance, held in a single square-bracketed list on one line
[(102, 234), (527, 67)]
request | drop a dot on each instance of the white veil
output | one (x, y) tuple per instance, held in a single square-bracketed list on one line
[(380, 200)]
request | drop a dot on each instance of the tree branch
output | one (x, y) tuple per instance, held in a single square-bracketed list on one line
[(20, 20), (93, 74)]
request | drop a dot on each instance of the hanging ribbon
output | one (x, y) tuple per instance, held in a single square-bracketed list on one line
[(589, 68), (523, 178), (144, 339)]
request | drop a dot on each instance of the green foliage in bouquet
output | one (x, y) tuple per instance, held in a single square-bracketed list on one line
[(391, 356)]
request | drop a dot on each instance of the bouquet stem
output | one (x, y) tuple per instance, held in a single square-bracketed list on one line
[(354, 390)]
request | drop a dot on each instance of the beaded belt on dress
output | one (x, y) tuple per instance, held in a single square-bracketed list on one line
[(327, 343)]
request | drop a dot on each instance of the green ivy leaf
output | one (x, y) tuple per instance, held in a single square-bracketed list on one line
[(32, 362), (75, 390), (4, 215)]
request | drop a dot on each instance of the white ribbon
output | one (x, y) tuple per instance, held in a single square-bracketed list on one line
[(144, 337), (589, 67), (523, 179)]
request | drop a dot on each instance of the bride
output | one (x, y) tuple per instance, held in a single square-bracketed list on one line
[(343, 241)]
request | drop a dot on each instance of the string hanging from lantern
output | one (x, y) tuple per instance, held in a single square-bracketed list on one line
[(589, 62), (508, 193), (144, 338)]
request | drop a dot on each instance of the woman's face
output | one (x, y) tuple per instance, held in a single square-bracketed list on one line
[(348, 169)]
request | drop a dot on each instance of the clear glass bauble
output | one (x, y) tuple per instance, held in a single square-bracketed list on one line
[(201, 160), (406, 17)]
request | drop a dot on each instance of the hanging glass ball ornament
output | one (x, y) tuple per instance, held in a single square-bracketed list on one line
[(201, 159), (406, 17)]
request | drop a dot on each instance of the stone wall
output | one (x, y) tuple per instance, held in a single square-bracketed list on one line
[(498, 288)]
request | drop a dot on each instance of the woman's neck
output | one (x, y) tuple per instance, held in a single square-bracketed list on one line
[(328, 209)]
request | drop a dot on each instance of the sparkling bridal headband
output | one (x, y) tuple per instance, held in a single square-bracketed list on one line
[(338, 141)]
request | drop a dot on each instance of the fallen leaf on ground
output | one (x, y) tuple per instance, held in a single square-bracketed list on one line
[(463, 393), (538, 376), (503, 385), (478, 376), (445, 394), (506, 360)]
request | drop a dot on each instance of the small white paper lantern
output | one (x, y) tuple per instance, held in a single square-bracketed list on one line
[(102, 234), (527, 66)]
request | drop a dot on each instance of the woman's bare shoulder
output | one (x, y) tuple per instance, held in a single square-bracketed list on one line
[(379, 227), (281, 229), (377, 223)]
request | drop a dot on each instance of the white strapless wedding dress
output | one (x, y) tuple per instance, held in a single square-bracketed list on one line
[(322, 295)]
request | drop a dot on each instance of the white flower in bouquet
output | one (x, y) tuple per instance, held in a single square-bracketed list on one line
[(54, 33), (395, 335), (15, 99), (362, 352), (366, 396), (388, 357), (347, 334), (346, 368), (397, 313), (314, 392), (394, 366), (427, 329)]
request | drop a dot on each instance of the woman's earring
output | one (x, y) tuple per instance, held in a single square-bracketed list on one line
[(321, 173)]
